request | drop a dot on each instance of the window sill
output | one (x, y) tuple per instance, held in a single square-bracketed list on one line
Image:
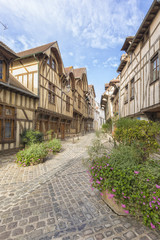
[(154, 81), (7, 140)]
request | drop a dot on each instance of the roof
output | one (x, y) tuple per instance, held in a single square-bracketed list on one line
[(114, 81), (35, 50), (10, 54), (68, 70), (127, 43), (90, 87), (79, 71), (15, 83), (155, 7)]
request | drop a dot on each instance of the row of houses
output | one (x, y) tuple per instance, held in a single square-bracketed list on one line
[(37, 92), (135, 92)]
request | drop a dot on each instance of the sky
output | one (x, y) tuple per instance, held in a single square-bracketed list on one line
[(90, 33)]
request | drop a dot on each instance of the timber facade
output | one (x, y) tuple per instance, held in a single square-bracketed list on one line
[(139, 69), (17, 104), (48, 97)]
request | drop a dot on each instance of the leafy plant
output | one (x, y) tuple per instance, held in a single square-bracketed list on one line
[(29, 137), (125, 156), (141, 133), (54, 145), (135, 187), (34, 154), (107, 127)]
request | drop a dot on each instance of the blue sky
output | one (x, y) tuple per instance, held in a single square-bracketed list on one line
[(90, 33)]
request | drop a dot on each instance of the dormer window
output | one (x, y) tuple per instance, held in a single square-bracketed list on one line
[(53, 64), (48, 61)]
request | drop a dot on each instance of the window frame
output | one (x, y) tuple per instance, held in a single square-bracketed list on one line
[(67, 103), (132, 88), (4, 118), (153, 59), (51, 93), (4, 69), (126, 95)]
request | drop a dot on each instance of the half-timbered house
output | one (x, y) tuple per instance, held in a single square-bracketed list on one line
[(139, 69), (41, 70), (17, 103)]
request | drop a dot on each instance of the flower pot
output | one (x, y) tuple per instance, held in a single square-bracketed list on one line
[(109, 199)]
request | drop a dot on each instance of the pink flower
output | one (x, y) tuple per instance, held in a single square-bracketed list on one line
[(128, 197), (101, 194), (111, 168), (101, 178), (95, 175), (147, 180), (144, 196), (136, 172), (156, 207), (92, 188), (126, 211), (157, 186), (152, 226), (124, 196), (114, 190), (124, 206), (150, 205), (98, 182), (111, 195), (144, 203), (107, 164)]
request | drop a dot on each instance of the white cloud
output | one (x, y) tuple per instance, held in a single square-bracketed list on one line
[(71, 53), (111, 62), (95, 62), (93, 23)]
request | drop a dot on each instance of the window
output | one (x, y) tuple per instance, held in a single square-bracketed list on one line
[(51, 93), (48, 61), (155, 68), (126, 94), (1, 69), (67, 103), (53, 64), (79, 101), (7, 120), (9, 129), (132, 89)]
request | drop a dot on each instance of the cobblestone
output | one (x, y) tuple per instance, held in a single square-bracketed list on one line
[(62, 205)]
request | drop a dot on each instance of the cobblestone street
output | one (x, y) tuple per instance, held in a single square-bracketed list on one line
[(54, 200)]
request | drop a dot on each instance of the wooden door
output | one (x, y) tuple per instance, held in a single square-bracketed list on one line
[(62, 130)]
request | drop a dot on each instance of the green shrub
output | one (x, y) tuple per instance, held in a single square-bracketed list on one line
[(54, 145), (32, 155), (107, 127), (135, 187), (125, 156), (138, 132), (29, 137)]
